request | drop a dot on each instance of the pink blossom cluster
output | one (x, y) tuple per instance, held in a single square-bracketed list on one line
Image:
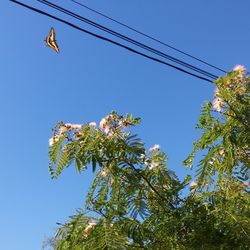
[(64, 128)]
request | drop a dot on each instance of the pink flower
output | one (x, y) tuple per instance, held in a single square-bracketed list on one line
[(156, 147), (63, 129), (217, 104), (92, 124), (240, 69), (73, 126), (89, 228), (221, 152), (104, 172), (107, 129), (246, 184), (142, 156), (193, 185), (54, 139), (76, 126), (103, 122), (153, 165)]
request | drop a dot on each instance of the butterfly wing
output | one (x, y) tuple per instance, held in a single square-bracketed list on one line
[(55, 46), (47, 39), (52, 34), (51, 41)]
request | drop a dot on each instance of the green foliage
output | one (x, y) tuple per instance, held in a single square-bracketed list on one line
[(136, 202), (226, 132)]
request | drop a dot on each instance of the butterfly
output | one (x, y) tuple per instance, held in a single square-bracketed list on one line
[(51, 40)]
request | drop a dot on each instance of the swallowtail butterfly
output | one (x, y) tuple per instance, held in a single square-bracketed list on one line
[(51, 40)]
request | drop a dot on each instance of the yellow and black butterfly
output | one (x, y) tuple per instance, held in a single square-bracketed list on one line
[(51, 40)]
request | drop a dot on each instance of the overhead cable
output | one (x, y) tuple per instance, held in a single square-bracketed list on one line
[(110, 41), (148, 36), (141, 45)]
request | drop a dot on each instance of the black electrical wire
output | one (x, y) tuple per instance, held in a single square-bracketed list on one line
[(59, 8), (109, 40), (148, 36), (128, 39)]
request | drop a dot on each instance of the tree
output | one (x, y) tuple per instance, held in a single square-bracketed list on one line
[(135, 201)]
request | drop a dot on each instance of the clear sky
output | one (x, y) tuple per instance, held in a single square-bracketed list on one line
[(87, 80)]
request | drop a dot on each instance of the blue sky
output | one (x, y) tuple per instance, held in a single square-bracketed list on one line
[(87, 80)]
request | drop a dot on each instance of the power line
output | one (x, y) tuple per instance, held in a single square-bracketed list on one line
[(157, 52), (148, 36), (109, 40)]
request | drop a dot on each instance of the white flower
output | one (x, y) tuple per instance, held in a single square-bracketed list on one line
[(107, 129), (89, 228), (68, 125), (216, 92), (104, 172), (217, 104), (74, 126), (153, 165), (53, 139), (103, 122), (123, 123), (91, 223), (120, 123), (193, 185), (92, 124), (78, 135), (221, 152), (63, 129), (107, 125), (240, 69), (156, 147), (246, 184), (142, 156)]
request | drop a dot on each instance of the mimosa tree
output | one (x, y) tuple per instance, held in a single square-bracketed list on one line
[(136, 201)]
